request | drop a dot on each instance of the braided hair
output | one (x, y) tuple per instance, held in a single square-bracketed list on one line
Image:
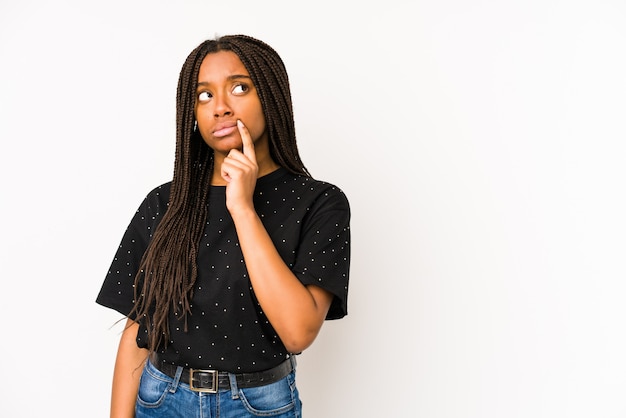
[(168, 270)]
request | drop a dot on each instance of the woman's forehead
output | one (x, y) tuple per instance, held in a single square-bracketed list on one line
[(220, 65)]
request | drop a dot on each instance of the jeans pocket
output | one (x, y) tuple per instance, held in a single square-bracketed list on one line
[(153, 388), (273, 399)]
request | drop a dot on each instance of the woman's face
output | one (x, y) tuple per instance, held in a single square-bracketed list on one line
[(225, 94)]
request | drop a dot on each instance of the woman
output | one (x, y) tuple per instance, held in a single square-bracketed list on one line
[(229, 270)]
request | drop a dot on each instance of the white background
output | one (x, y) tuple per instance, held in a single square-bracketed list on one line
[(481, 145)]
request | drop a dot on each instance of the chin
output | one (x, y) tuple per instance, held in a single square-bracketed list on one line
[(224, 145)]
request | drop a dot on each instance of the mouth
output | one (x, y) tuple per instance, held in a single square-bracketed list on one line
[(224, 130)]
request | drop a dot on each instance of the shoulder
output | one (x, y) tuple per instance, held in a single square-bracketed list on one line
[(327, 192), (152, 207), (158, 197), (313, 186), (160, 192), (300, 191), (322, 195)]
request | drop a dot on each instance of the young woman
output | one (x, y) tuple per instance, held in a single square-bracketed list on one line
[(229, 270)]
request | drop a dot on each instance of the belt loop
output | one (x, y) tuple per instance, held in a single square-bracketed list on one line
[(174, 384), (292, 358), (234, 390)]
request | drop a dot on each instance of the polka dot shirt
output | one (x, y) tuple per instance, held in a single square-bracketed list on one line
[(308, 221)]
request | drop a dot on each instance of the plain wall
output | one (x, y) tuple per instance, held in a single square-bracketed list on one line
[(481, 145)]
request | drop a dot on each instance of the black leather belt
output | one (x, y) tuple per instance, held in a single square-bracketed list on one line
[(201, 380)]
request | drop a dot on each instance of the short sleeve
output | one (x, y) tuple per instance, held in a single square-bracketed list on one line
[(323, 257), (118, 289)]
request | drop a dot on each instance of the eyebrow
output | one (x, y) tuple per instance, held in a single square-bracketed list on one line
[(229, 78)]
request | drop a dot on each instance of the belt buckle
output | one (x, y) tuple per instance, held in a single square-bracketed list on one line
[(214, 381)]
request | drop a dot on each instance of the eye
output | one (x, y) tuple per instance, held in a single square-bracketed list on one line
[(204, 96), (240, 89)]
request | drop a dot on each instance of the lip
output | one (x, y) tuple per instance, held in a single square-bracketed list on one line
[(224, 129)]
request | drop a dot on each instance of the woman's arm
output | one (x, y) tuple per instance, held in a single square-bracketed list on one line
[(128, 367), (296, 311)]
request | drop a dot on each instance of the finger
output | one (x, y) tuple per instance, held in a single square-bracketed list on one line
[(236, 160), (225, 171), (246, 139), (234, 164)]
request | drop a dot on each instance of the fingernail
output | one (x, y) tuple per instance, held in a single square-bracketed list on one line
[(239, 123)]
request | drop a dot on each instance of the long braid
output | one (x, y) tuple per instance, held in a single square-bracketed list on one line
[(169, 269), (268, 70)]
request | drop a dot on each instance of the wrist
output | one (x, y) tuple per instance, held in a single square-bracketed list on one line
[(242, 213)]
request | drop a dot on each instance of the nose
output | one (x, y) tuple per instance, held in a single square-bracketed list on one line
[(221, 106)]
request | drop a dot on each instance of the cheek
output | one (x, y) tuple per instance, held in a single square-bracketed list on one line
[(203, 120), (257, 125)]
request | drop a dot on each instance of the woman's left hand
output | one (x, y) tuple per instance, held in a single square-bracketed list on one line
[(240, 170)]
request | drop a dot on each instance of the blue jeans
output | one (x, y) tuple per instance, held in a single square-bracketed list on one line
[(164, 396)]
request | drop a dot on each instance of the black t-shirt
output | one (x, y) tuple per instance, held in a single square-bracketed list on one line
[(308, 221)]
